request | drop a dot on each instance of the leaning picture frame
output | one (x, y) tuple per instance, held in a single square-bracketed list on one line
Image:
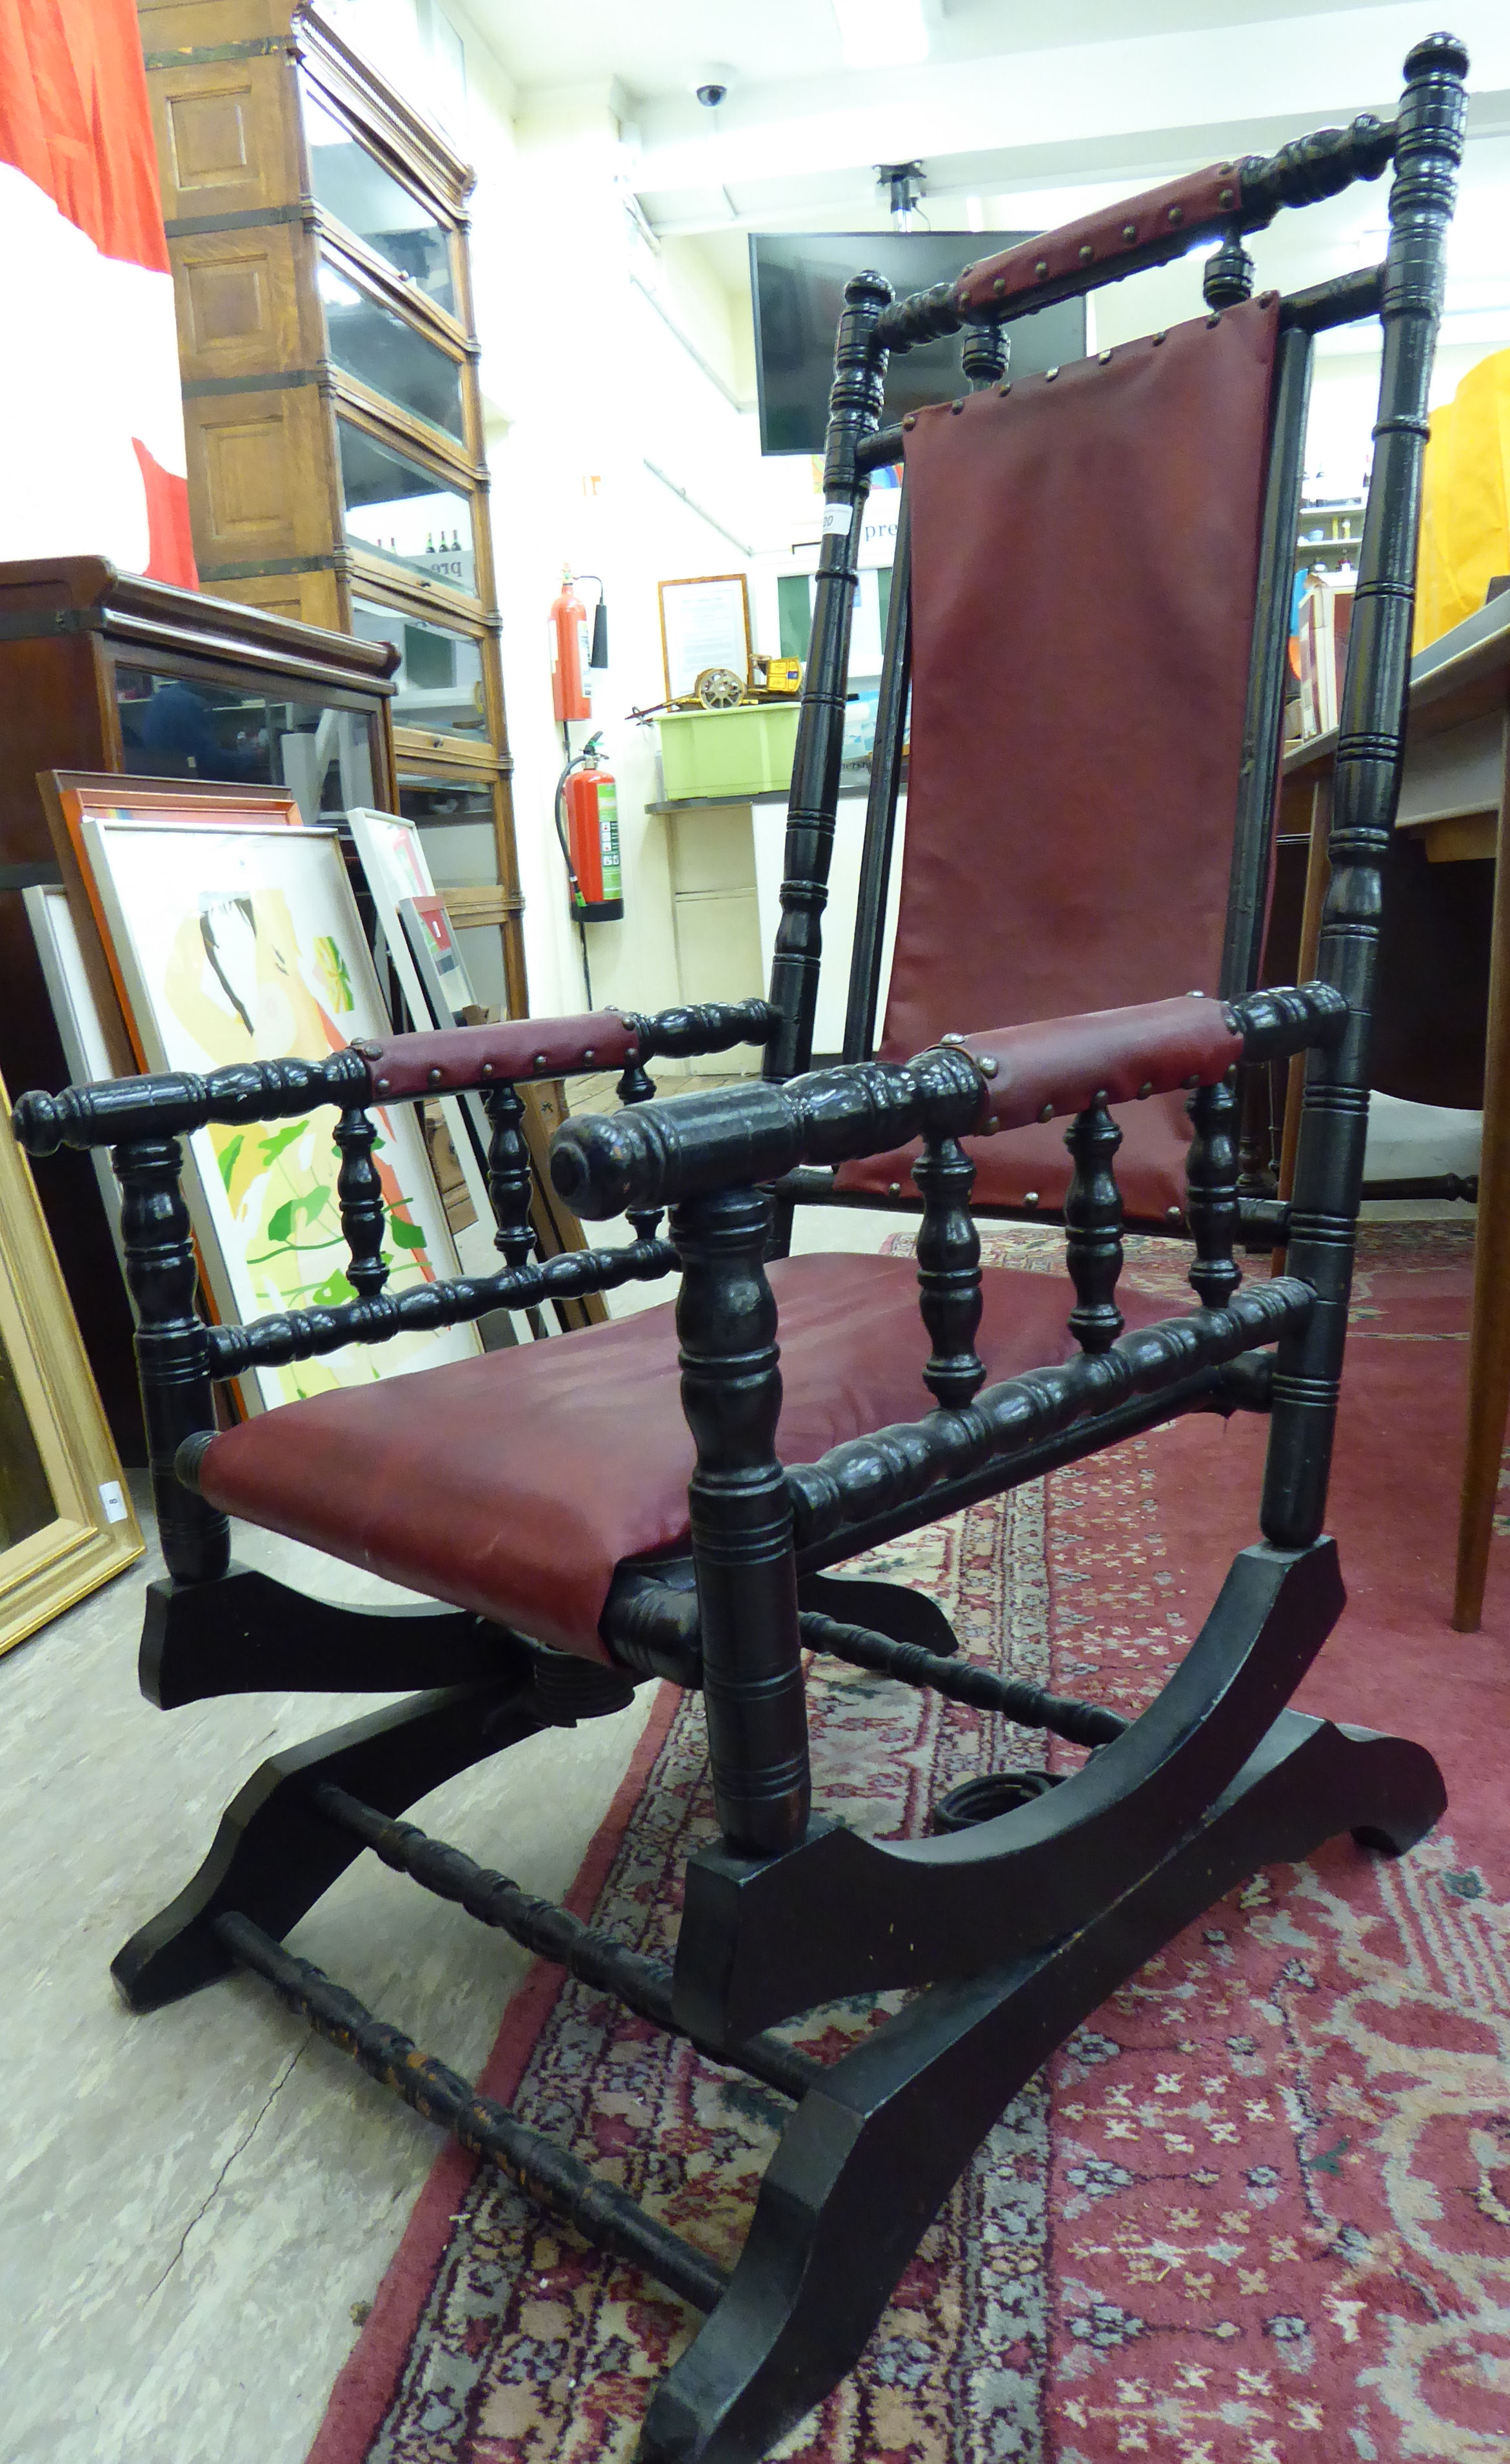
[(392, 854), (75, 1011), (66, 1522), (240, 940)]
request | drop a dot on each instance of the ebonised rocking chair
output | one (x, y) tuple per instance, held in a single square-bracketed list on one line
[(542, 1493)]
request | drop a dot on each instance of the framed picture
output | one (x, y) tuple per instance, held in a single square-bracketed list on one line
[(66, 1524), (80, 1028), (438, 960), (392, 857), (704, 622), (232, 942)]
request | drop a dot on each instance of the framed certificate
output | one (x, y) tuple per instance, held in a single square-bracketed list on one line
[(704, 622)]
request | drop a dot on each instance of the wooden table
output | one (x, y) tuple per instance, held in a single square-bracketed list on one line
[(1444, 986)]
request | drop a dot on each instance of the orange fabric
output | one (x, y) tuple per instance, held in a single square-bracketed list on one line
[(1085, 554), (74, 118), (171, 554), (515, 1484)]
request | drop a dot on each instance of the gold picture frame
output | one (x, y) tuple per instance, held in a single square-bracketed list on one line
[(66, 1523), (709, 627)]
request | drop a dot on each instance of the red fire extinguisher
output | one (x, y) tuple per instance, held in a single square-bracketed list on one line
[(590, 837), (570, 697)]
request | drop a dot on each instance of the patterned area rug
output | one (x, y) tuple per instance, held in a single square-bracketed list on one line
[(1257, 2210)]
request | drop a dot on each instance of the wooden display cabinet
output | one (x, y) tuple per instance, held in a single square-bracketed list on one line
[(100, 670), (316, 229)]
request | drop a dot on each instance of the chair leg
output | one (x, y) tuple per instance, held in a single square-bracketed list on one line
[(274, 1855), (872, 2152)]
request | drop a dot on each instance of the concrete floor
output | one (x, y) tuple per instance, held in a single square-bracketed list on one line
[(193, 2200)]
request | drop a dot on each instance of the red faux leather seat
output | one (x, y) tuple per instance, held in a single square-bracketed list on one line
[(557, 1460)]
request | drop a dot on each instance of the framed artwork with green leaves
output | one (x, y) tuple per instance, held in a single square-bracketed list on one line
[(240, 940)]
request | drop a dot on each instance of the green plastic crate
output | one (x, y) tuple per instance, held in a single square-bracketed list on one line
[(739, 751)]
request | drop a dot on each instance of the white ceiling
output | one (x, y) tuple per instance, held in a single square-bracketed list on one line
[(658, 48), (1024, 114)]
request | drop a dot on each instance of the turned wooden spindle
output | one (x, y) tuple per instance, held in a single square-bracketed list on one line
[(1093, 1221), (359, 1194), (637, 1086), (510, 1186), (949, 1271), (1212, 1205)]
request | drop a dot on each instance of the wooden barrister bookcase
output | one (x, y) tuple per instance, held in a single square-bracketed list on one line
[(316, 229)]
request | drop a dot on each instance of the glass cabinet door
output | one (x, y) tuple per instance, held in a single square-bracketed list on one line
[(355, 189), (181, 727), (438, 681), (420, 520), (382, 349)]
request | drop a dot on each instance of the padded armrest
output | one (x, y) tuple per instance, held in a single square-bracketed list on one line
[(446, 1058), (399, 1068), (454, 1057), (736, 1137), (1060, 1064)]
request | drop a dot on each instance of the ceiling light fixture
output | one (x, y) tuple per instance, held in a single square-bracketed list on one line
[(882, 34)]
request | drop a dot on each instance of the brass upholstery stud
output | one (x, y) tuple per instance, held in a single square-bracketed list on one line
[(436, 1076), (1048, 375), (894, 1189), (1174, 1213), (1102, 357), (1046, 1110), (1161, 338), (588, 1053), (1029, 1198), (957, 406), (382, 1086), (1130, 231), (911, 421), (1194, 1080), (1086, 253), (487, 1069), (1146, 1089), (1041, 267), (999, 286), (1228, 197), (1005, 387), (1177, 213), (987, 1064), (542, 1061), (949, 1037), (1099, 1096), (1215, 318)]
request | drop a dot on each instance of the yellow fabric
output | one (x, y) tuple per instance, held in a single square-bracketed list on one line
[(1465, 509)]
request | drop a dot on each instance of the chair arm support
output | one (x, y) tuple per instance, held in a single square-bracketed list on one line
[(399, 1068), (661, 1154), (735, 1137)]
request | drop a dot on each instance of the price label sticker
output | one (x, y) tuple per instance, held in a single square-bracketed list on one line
[(838, 519), (112, 1497)]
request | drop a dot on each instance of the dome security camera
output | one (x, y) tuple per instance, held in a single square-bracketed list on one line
[(711, 85)]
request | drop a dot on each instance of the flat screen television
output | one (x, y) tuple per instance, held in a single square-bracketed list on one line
[(797, 282)]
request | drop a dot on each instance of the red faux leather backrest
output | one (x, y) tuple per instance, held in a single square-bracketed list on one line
[(1085, 552)]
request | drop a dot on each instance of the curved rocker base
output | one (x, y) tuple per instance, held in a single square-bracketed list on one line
[(872, 2153), (272, 1856)]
